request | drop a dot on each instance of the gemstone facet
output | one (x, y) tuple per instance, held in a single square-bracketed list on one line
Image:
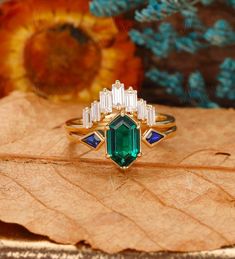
[(106, 101), (123, 140), (118, 94), (131, 100), (150, 115), (95, 111), (86, 118), (92, 140), (141, 109), (153, 137)]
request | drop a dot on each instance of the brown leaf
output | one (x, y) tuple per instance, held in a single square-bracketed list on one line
[(178, 196)]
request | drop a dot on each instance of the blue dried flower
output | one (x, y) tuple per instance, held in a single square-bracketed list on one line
[(166, 39), (157, 9), (197, 91), (113, 7), (161, 43), (207, 2), (192, 21), (173, 83), (226, 78), (231, 3), (190, 43), (221, 34)]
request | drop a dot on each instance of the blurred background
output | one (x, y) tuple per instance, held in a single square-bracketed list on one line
[(175, 52)]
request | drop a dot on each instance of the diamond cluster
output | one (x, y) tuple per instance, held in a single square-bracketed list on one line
[(118, 98)]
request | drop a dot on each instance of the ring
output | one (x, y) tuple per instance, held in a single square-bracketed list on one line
[(122, 122)]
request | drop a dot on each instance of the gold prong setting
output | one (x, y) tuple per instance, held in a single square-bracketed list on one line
[(118, 120)]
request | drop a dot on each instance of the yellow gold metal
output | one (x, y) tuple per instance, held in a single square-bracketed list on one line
[(122, 113), (123, 144), (163, 122), (75, 137), (124, 168), (164, 125)]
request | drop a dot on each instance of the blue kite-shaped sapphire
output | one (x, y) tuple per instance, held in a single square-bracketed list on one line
[(92, 140), (153, 137)]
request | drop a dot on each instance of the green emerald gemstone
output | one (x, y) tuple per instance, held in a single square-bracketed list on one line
[(123, 140)]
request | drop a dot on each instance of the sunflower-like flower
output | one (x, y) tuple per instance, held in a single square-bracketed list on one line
[(61, 51)]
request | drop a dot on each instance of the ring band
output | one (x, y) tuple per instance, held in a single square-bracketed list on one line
[(122, 122), (76, 124)]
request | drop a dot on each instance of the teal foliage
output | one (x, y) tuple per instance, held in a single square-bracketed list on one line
[(231, 3), (173, 83), (221, 34), (192, 21), (226, 78), (197, 91), (159, 9), (166, 40), (207, 2), (190, 43), (113, 7), (155, 9), (161, 43)]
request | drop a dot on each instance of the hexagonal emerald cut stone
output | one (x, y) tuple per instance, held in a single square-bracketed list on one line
[(123, 140)]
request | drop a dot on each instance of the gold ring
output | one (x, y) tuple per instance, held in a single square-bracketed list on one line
[(123, 122)]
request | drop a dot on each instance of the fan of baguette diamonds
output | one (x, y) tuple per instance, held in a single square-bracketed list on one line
[(117, 98)]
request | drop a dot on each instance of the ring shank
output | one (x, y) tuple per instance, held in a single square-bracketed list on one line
[(164, 123), (162, 120)]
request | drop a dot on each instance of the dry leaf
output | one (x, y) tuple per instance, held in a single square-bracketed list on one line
[(179, 196)]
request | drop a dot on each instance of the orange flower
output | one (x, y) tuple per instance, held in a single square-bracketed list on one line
[(58, 49)]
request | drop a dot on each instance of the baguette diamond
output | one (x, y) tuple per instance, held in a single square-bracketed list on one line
[(131, 100), (106, 101), (122, 122), (95, 111), (118, 94), (116, 99), (86, 118), (150, 115), (141, 109)]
